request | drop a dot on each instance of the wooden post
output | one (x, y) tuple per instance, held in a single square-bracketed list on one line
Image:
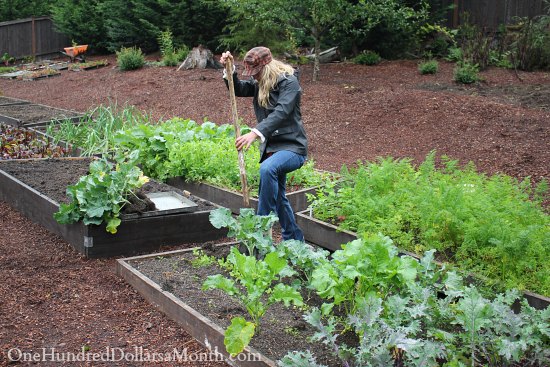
[(33, 37), (235, 115)]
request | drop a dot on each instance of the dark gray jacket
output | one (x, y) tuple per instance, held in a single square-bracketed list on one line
[(281, 122)]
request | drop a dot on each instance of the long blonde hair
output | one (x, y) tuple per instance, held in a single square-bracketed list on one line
[(268, 81)]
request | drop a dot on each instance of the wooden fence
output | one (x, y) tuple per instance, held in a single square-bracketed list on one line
[(31, 37), (489, 14)]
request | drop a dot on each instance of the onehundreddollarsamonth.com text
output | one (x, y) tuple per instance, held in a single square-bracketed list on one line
[(134, 354)]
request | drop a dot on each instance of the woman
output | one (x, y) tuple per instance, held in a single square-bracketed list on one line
[(283, 148)]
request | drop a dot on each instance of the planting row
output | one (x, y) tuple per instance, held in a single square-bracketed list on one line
[(21, 143), (362, 306), (493, 226), (46, 69)]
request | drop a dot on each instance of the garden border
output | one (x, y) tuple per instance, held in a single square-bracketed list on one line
[(328, 236), (233, 200), (13, 101), (133, 235), (198, 326), (74, 116)]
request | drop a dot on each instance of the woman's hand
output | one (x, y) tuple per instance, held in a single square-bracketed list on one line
[(245, 140), (226, 56)]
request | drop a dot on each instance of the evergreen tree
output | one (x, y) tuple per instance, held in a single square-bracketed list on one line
[(81, 21), (20, 9), (195, 22)]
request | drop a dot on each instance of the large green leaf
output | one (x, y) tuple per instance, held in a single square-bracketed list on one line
[(221, 218), (286, 294), (275, 263), (112, 225), (238, 335), (218, 281)]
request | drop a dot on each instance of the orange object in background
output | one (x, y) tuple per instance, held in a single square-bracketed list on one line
[(75, 50)]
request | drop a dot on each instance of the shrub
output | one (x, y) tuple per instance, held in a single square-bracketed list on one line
[(455, 54), (367, 58), (7, 69), (428, 67), (181, 53), (166, 45), (437, 40), (466, 73), (170, 55), (170, 59), (529, 43), (475, 44), (501, 60), (130, 58)]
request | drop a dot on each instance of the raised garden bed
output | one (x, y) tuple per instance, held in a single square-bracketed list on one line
[(87, 65), (169, 281), (14, 74), (330, 237), (36, 187), (44, 64), (8, 101), (31, 115), (39, 74), (234, 200)]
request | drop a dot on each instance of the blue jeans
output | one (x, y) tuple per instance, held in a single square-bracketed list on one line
[(272, 195)]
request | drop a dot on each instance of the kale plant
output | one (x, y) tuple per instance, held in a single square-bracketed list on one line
[(249, 229)]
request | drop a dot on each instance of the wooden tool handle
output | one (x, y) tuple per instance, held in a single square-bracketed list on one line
[(235, 116)]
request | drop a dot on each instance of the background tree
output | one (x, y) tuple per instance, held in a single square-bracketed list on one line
[(272, 22), (82, 21), (389, 27), (19, 9), (131, 23), (257, 23), (112, 24), (195, 22)]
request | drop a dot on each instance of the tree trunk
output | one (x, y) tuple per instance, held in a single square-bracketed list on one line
[(202, 58), (316, 67), (332, 54)]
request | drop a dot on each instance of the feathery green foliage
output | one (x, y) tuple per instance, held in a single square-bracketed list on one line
[(494, 226)]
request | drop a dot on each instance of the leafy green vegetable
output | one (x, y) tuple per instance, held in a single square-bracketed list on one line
[(401, 320), (249, 229), (361, 267), (238, 335), (255, 279), (99, 196), (493, 226)]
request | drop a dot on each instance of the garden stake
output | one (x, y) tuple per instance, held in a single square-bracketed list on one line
[(233, 100)]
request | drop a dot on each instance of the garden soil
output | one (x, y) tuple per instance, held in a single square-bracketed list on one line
[(52, 297), (30, 113)]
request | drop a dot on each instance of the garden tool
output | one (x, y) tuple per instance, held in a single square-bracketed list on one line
[(233, 100)]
